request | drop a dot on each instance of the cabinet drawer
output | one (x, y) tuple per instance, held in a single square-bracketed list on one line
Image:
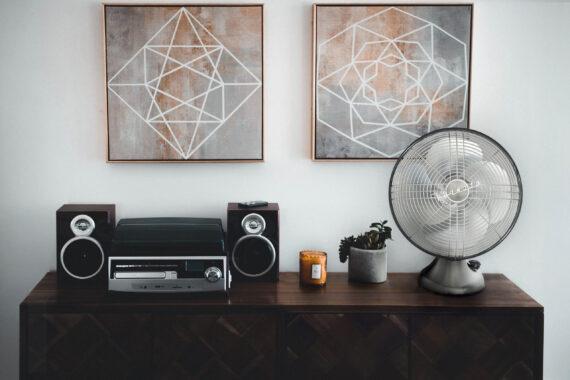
[(281, 330), (132, 346), (350, 346), (98, 346), (475, 347), (215, 346)]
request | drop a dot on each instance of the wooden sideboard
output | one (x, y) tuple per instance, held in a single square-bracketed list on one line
[(394, 330)]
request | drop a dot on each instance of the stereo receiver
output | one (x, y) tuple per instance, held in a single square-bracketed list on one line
[(156, 255)]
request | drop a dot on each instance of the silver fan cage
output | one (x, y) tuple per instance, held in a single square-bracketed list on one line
[(411, 202)]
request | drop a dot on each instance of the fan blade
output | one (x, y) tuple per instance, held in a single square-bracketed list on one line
[(462, 231), (451, 154), (417, 188), (490, 183), (476, 225)]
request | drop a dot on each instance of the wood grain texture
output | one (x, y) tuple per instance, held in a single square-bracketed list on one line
[(394, 330), (67, 346), (355, 346), (210, 346), (400, 293), (474, 347)]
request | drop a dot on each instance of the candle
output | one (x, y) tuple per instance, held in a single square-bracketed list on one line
[(313, 268)]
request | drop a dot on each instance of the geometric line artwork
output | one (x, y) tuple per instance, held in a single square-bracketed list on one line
[(394, 85), (184, 84)]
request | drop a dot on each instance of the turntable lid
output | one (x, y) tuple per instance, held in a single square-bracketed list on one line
[(169, 232)]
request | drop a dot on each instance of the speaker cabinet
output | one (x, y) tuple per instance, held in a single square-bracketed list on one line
[(84, 234), (253, 241)]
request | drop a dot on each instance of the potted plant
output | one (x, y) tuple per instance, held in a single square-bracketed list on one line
[(366, 254)]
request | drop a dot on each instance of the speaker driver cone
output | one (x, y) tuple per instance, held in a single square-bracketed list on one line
[(82, 257), (253, 255)]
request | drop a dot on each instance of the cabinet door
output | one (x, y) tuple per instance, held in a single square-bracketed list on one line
[(87, 346), (475, 347), (223, 346), (349, 346)]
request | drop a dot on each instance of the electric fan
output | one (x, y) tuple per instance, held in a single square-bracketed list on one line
[(455, 194)]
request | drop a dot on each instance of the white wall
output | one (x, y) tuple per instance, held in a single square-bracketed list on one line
[(53, 136)]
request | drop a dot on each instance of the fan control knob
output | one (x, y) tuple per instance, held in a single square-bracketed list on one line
[(213, 274), (474, 265)]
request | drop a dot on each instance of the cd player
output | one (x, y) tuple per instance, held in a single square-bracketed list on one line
[(156, 255)]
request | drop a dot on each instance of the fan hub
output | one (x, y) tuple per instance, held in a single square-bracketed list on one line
[(457, 190)]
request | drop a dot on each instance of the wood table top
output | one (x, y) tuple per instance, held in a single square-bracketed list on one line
[(401, 293)]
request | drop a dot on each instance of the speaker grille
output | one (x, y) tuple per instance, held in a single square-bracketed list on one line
[(253, 255), (82, 258)]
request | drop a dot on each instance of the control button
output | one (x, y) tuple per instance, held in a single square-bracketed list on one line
[(474, 265), (213, 274)]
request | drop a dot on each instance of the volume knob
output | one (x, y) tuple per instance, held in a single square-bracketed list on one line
[(213, 274)]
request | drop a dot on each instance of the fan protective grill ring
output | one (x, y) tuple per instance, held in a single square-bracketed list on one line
[(455, 193)]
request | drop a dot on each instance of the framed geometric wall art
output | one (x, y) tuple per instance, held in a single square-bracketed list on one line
[(184, 83), (384, 75)]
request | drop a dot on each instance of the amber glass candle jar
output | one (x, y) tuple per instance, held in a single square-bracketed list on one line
[(313, 268)]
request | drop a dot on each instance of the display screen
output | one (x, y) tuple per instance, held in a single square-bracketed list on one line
[(194, 266), (184, 268)]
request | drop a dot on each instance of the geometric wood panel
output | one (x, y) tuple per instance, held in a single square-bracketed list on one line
[(72, 346), (223, 346), (473, 347), (264, 331), (351, 346)]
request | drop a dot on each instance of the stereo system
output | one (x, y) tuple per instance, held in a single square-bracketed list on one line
[(84, 233), (175, 255), (253, 242), (157, 255)]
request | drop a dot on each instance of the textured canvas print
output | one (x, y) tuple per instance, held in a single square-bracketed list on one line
[(386, 75), (184, 83)]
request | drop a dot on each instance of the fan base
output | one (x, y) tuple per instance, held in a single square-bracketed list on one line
[(452, 277)]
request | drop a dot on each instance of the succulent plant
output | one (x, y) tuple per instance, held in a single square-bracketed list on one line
[(373, 239)]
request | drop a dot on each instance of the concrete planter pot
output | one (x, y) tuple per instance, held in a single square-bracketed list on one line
[(368, 265)]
